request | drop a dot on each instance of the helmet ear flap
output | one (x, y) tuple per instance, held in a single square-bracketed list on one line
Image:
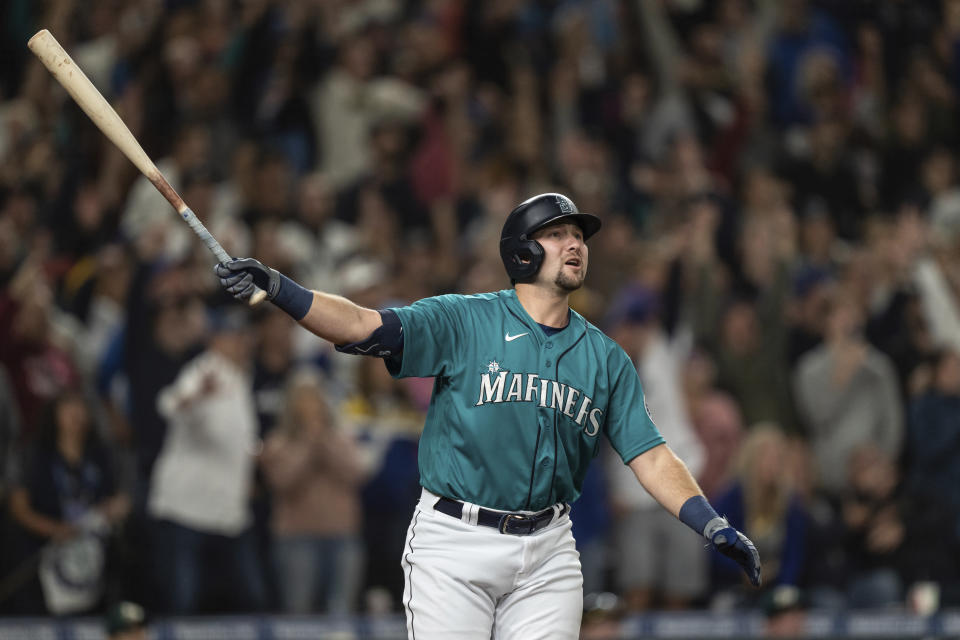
[(527, 258)]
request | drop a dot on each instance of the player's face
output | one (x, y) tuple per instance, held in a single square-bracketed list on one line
[(565, 256)]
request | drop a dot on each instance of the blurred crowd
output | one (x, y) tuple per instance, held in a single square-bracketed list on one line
[(780, 192)]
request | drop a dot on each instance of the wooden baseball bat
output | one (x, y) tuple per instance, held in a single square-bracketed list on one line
[(71, 77)]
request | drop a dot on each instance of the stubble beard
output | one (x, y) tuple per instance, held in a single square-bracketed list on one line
[(569, 283)]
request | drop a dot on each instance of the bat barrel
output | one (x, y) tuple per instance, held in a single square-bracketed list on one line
[(78, 85)]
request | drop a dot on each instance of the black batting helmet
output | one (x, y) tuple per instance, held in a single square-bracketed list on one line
[(522, 256)]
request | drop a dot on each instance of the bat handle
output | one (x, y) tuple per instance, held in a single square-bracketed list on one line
[(222, 256)]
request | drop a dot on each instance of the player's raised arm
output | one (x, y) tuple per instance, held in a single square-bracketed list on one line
[(333, 318), (667, 479)]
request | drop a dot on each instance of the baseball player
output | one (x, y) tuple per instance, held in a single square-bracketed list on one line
[(524, 390)]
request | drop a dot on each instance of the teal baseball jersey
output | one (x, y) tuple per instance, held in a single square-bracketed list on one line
[(516, 415)]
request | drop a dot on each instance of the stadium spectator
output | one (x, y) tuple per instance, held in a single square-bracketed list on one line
[(64, 503), (763, 501), (846, 392), (809, 59), (656, 565), (274, 359), (315, 473), (343, 123), (200, 489), (163, 330), (745, 327), (811, 287), (876, 529), (36, 358), (826, 176), (933, 436), (319, 241), (935, 281), (897, 325), (931, 472), (716, 417)]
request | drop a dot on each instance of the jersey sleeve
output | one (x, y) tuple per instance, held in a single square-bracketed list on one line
[(629, 426), (430, 334)]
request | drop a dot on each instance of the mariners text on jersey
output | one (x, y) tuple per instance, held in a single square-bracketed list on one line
[(529, 387)]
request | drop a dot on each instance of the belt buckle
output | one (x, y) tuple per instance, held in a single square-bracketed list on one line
[(506, 519)]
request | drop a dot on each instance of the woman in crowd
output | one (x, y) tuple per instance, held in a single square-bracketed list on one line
[(762, 503), (66, 493), (315, 472)]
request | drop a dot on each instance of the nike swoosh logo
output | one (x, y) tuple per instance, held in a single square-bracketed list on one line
[(510, 338)]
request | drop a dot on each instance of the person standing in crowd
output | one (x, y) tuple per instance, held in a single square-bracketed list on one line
[(164, 329), (314, 471), (200, 491), (657, 564), (847, 394)]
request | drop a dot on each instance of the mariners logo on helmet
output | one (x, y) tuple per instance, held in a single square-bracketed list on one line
[(522, 256)]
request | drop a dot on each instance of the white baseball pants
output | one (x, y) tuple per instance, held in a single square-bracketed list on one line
[(468, 581)]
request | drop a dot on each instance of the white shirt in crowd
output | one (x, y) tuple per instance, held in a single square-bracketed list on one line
[(203, 475)]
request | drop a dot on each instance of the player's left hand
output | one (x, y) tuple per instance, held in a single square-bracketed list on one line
[(736, 546)]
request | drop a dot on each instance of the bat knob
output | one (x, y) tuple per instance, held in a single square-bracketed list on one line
[(258, 296)]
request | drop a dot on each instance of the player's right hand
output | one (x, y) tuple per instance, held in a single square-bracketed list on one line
[(736, 546), (241, 277)]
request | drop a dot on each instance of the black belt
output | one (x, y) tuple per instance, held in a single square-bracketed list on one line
[(517, 524)]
